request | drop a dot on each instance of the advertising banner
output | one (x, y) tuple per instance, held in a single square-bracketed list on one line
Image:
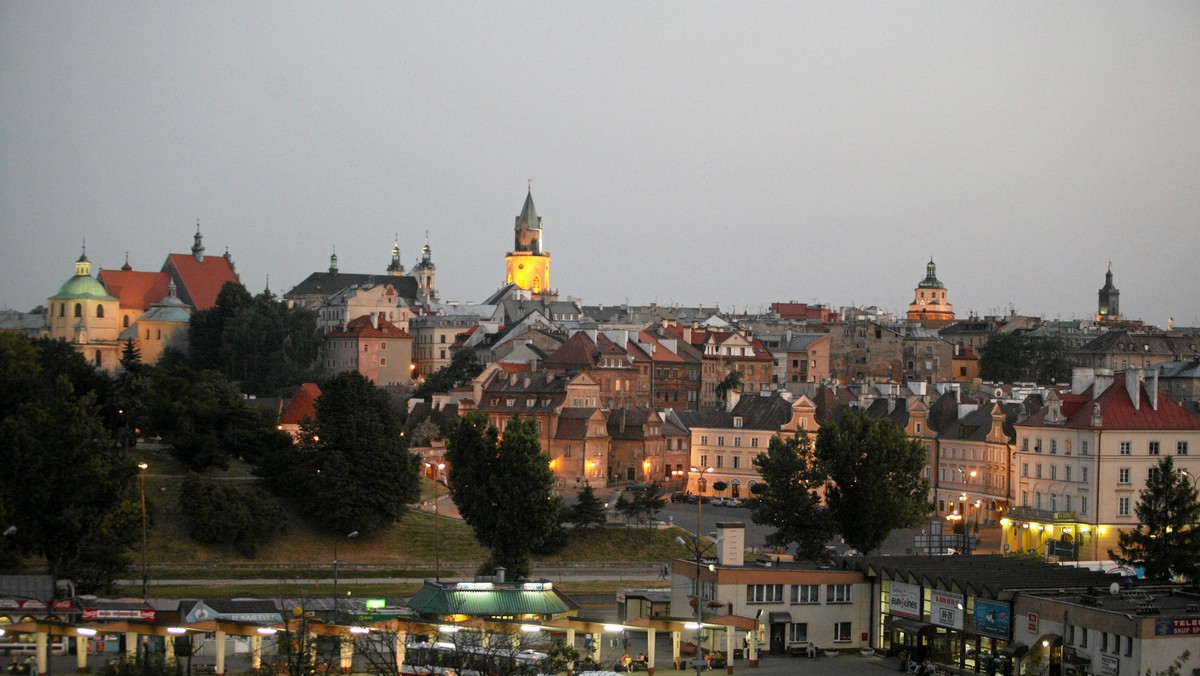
[(946, 609), (993, 618), (1177, 626), (905, 600)]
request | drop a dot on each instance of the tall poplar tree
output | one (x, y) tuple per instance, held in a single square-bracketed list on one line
[(1166, 542), (503, 487)]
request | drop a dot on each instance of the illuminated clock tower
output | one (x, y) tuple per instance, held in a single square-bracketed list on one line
[(528, 266)]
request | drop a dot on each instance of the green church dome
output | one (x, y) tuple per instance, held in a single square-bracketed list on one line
[(83, 286)]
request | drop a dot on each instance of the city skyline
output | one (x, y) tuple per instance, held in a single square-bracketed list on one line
[(680, 153)]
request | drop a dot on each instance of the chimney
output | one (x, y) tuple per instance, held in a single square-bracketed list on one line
[(500, 571), (1133, 386), (1152, 389), (1082, 378), (1097, 417), (731, 550), (1104, 380), (375, 320), (622, 425), (533, 365), (731, 399)]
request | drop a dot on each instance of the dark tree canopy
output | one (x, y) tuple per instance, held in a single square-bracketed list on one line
[(790, 499), (1167, 541), (256, 341), (588, 510), (237, 516), (875, 483), (54, 442), (503, 488), (204, 418), (352, 470), (1010, 358), (462, 368)]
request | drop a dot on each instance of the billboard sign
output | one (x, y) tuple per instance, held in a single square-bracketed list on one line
[(993, 618), (946, 609), (905, 600)]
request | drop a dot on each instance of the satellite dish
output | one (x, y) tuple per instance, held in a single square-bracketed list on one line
[(1114, 589)]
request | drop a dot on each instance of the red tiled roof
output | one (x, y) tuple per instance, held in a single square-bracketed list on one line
[(461, 338), (1117, 411), (575, 353), (200, 282), (361, 327), (659, 352), (508, 367), (303, 405), (135, 290)]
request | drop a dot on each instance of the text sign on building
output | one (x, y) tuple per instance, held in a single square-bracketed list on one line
[(144, 614), (905, 600), (1031, 622), (1110, 665), (1177, 626), (993, 618), (946, 609)]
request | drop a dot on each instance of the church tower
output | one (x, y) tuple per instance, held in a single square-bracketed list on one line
[(528, 266), (396, 268), (929, 306), (423, 271), (1109, 309), (85, 316)]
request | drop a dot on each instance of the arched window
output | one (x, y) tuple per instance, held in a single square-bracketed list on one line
[(100, 311), (97, 357), (537, 285), (125, 322), (62, 309), (78, 310)]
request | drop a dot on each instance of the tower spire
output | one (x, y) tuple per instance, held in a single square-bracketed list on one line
[(198, 246)]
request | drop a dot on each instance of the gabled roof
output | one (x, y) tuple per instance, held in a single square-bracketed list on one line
[(325, 284), (135, 290), (199, 282), (576, 354), (976, 425), (573, 422), (1117, 411), (303, 405), (757, 413), (633, 420), (361, 327)]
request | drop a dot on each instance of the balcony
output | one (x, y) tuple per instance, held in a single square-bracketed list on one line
[(1040, 515)]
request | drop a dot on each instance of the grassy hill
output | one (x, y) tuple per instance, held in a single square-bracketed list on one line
[(302, 553)]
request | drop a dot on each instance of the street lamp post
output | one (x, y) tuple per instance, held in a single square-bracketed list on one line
[(145, 568), (698, 553), (336, 599), (437, 537), (700, 499)]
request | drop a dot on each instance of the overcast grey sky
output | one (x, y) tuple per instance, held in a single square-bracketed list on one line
[(682, 152)]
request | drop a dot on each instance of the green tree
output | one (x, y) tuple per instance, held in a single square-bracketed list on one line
[(503, 488), (730, 383), (352, 469), (1003, 358), (789, 498), (1166, 542), (462, 368), (56, 446), (206, 329), (204, 418), (241, 517), (875, 483), (588, 510)]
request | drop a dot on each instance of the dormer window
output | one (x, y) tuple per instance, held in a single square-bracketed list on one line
[(737, 421)]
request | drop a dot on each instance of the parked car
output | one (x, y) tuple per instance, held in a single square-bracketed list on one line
[(719, 502), (733, 502)]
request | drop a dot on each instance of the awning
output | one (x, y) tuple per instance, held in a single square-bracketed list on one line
[(779, 618), (910, 626), (1015, 650)]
